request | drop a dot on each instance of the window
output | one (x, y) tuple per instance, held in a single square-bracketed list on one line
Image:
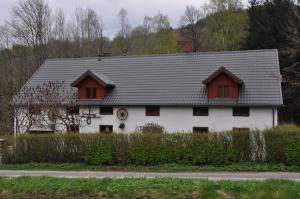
[(106, 110), (152, 111), (91, 93), (223, 91), (200, 111), (200, 129), (40, 132), (226, 91), (74, 110), (240, 111), (219, 91), (106, 128), (73, 128), (33, 110), (241, 129)]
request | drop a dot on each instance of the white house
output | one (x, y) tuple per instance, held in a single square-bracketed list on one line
[(213, 91)]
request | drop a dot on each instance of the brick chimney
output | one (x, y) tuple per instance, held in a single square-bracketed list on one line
[(188, 46)]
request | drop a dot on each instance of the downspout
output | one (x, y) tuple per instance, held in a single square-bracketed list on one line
[(273, 111)]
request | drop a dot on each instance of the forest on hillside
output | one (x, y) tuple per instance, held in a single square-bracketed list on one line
[(35, 32)]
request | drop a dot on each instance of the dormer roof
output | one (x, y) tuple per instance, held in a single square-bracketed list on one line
[(222, 70), (100, 78)]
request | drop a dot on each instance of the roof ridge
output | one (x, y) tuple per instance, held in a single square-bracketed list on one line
[(165, 55)]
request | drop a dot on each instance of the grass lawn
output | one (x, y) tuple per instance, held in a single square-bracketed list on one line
[(48, 187), (159, 168)]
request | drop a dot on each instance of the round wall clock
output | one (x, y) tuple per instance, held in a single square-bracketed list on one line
[(122, 114)]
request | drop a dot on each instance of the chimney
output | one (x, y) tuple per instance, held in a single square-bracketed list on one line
[(99, 54), (188, 46)]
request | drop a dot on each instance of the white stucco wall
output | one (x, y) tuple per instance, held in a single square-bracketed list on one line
[(181, 119)]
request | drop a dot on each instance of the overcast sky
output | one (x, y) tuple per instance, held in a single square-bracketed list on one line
[(108, 10)]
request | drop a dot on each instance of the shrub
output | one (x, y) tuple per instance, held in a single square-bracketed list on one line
[(275, 142), (156, 148), (241, 141), (286, 127), (49, 148), (99, 154), (292, 151), (152, 128), (213, 149), (147, 149)]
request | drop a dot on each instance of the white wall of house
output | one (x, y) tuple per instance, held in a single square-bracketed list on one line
[(175, 119)]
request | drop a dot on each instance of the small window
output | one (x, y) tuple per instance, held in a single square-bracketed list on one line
[(106, 110), (200, 129), (226, 91), (40, 132), (223, 91), (219, 91), (106, 128), (33, 110), (200, 111), (73, 110), (246, 130), (73, 128), (91, 93), (152, 111), (240, 111)]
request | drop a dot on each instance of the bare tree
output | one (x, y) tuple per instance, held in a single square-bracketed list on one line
[(5, 37), (160, 22), (190, 20), (87, 30), (49, 106), (31, 24), (24, 110), (59, 29), (94, 28), (125, 30)]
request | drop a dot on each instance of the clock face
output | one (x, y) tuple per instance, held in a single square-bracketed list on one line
[(122, 114)]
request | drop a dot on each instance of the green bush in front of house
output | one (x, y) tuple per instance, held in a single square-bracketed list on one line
[(214, 149), (271, 146), (99, 154), (292, 151)]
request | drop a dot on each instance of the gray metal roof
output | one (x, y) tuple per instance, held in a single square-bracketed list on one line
[(173, 79), (104, 78)]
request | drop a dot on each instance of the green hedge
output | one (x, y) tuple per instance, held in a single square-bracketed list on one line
[(153, 149), (292, 151)]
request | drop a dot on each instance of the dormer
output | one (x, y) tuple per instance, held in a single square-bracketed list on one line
[(93, 85), (223, 84)]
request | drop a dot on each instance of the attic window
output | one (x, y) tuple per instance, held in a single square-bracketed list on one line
[(222, 91), (226, 91), (91, 92)]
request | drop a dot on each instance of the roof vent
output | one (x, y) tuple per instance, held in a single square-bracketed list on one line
[(99, 58)]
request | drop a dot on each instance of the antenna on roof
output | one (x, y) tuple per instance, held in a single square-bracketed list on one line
[(99, 55)]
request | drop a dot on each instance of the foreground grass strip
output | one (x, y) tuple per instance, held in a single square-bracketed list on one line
[(158, 168), (33, 187)]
